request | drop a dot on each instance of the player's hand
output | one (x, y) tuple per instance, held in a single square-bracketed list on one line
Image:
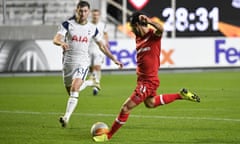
[(144, 19), (64, 46), (119, 64)]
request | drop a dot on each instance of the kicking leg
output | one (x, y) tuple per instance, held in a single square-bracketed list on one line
[(163, 99), (119, 121)]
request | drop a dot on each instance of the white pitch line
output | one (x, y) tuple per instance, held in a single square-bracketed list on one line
[(132, 115)]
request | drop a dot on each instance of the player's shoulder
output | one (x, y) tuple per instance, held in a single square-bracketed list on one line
[(91, 24), (70, 20), (66, 23), (102, 23)]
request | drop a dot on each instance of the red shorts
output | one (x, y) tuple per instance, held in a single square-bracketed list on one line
[(143, 90)]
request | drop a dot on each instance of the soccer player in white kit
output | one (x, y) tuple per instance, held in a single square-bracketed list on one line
[(74, 36), (96, 56)]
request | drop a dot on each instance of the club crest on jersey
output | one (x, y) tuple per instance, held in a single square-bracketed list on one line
[(80, 38), (89, 32)]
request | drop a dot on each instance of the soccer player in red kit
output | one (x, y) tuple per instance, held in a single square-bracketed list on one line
[(148, 47)]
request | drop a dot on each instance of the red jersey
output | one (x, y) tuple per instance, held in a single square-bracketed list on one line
[(148, 50)]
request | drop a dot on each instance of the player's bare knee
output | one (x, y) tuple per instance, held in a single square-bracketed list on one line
[(125, 109), (75, 87), (149, 103)]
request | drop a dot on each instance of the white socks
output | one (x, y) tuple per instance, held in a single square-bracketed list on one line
[(97, 76), (71, 105), (85, 84)]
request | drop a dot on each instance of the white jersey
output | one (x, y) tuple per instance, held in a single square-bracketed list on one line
[(93, 46), (78, 38)]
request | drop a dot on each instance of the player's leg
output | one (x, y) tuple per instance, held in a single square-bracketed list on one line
[(71, 105), (97, 63), (138, 96), (97, 73), (86, 83), (91, 82), (97, 78), (163, 99), (119, 121), (72, 101), (91, 56), (78, 76), (122, 116)]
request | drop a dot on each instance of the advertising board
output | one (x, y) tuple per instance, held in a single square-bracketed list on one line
[(43, 55)]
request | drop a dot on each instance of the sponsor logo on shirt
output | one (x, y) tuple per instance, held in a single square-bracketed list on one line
[(82, 39)]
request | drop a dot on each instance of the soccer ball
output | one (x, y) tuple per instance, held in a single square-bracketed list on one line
[(99, 128)]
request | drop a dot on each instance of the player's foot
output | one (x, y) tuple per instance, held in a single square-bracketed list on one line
[(96, 87), (187, 95), (101, 138), (95, 91), (63, 121)]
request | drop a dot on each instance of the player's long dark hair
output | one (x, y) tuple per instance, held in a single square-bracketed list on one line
[(134, 18)]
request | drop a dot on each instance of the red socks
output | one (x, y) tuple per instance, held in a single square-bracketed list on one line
[(120, 120), (166, 98)]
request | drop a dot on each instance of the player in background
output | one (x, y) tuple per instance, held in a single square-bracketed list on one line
[(74, 36), (96, 56), (148, 47)]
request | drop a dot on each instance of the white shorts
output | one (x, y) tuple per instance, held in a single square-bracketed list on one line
[(72, 71), (97, 58)]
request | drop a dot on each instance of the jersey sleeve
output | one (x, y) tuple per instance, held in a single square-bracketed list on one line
[(63, 28), (97, 36)]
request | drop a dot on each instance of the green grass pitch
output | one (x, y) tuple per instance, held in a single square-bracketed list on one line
[(30, 108)]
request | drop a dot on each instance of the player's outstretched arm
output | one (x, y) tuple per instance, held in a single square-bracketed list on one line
[(106, 51)]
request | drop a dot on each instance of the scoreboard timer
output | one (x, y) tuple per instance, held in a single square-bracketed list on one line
[(194, 17)]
